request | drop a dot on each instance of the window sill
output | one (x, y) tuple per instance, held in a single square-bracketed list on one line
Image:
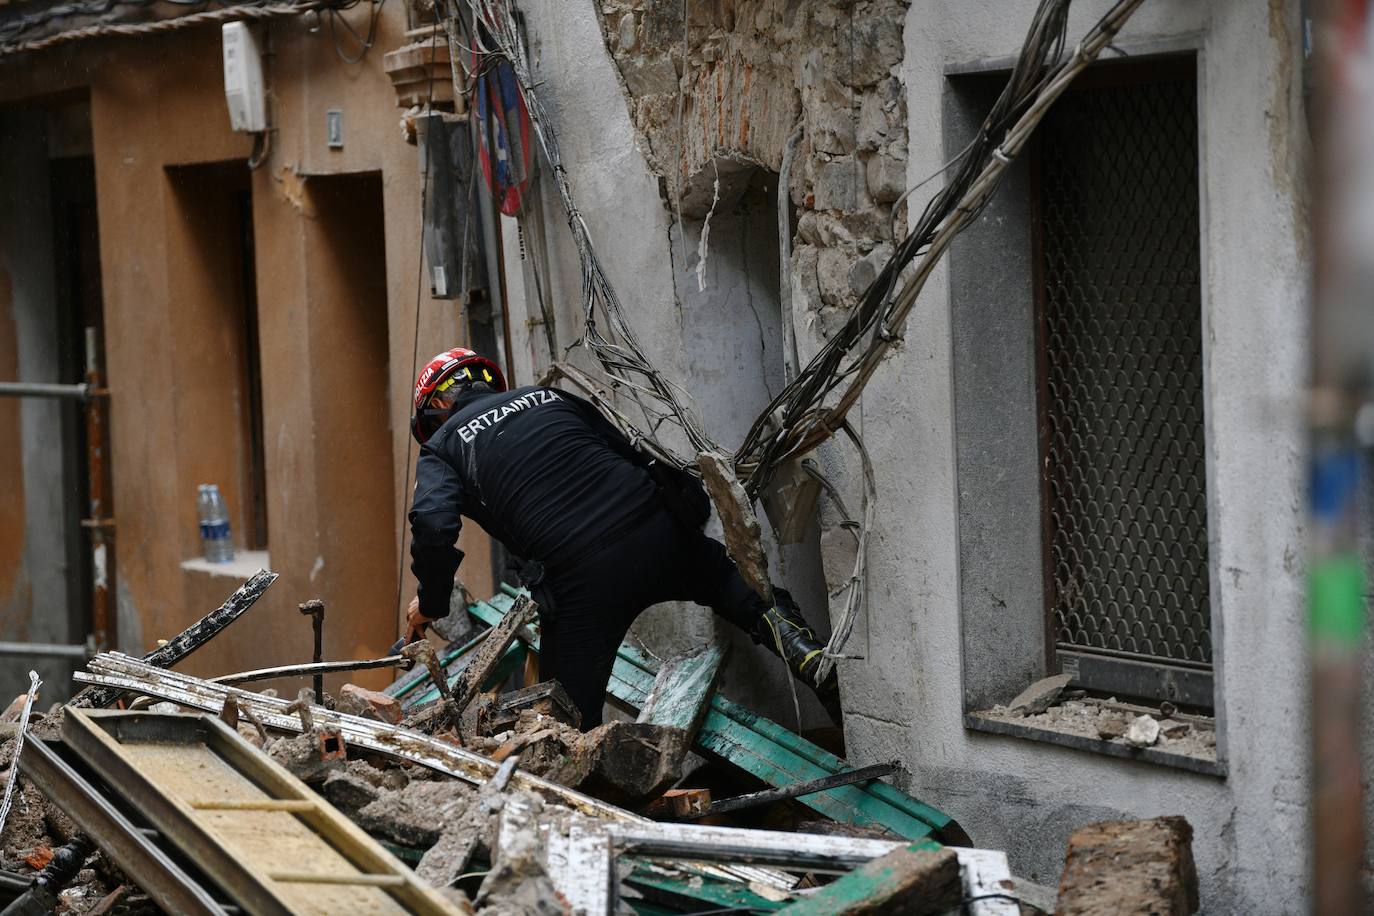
[(244, 564), (1040, 728)]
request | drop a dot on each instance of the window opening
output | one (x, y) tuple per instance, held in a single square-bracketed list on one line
[(1121, 394)]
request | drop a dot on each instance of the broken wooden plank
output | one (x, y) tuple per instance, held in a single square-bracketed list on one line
[(422, 692), (680, 803), (488, 656), (909, 881), (768, 751), (682, 691), (191, 638), (1130, 867)]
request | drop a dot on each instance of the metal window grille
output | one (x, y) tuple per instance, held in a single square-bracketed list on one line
[(1125, 496)]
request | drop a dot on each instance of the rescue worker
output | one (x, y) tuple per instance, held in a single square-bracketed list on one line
[(603, 533)]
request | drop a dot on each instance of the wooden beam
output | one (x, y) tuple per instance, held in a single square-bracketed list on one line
[(909, 881), (489, 655), (682, 691)]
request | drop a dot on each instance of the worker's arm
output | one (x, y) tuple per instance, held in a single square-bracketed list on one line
[(435, 520)]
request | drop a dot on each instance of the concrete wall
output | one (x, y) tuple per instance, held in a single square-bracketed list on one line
[(907, 698), (337, 241), (1017, 794)]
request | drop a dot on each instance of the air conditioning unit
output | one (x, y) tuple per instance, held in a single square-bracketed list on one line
[(243, 86)]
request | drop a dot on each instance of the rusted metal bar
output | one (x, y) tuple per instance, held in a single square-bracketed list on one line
[(104, 623), (314, 609), (313, 669), (796, 790)]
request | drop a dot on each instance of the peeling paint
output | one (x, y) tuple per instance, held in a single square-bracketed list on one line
[(291, 186)]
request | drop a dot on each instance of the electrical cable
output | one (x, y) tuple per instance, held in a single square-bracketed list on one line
[(811, 408), (252, 12), (415, 337), (364, 43), (262, 146)]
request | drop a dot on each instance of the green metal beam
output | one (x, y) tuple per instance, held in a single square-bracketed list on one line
[(898, 881)]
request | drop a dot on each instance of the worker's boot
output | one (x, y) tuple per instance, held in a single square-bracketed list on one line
[(787, 634)]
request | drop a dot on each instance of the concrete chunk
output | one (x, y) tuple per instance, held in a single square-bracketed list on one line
[(1143, 731), (416, 815), (1037, 698), (1124, 867)]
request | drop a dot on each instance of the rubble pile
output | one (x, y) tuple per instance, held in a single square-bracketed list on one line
[(488, 802)]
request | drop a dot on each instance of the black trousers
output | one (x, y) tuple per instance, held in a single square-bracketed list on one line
[(586, 608)]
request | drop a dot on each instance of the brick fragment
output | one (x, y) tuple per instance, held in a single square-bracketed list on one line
[(370, 703), (1125, 867)]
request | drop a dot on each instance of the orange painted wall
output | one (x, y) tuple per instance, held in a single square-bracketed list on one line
[(332, 315)]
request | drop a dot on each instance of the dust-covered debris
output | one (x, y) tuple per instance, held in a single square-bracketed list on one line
[(1111, 721), (416, 815), (369, 704), (355, 785), (447, 859), (1039, 696), (518, 883), (1130, 867), (304, 757)]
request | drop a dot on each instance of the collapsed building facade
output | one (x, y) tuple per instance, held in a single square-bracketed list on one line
[(1059, 489)]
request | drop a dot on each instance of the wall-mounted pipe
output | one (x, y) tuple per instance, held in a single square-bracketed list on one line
[(79, 392), (48, 649)]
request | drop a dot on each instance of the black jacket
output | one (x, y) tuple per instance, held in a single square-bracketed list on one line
[(540, 470)]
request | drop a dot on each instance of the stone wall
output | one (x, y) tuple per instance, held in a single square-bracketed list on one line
[(729, 85)]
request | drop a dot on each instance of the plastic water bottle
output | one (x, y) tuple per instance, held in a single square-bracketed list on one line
[(214, 525)]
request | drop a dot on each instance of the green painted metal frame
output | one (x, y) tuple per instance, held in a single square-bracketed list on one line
[(768, 751), (665, 893)]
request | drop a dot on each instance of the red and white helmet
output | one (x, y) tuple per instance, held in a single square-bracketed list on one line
[(455, 367)]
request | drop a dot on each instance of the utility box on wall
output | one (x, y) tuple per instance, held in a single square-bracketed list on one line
[(453, 227), (243, 84)]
